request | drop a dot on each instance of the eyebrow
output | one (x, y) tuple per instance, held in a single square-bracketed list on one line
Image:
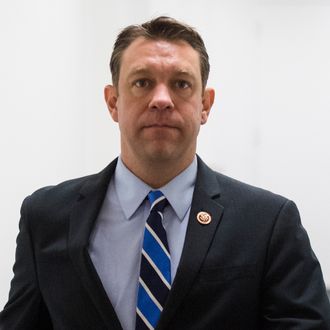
[(146, 71), (138, 71)]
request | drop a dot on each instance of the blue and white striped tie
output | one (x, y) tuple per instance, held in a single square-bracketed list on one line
[(155, 272)]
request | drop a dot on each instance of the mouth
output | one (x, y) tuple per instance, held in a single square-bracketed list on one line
[(157, 125), (159, 130)]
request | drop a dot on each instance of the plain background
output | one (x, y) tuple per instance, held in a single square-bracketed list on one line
[(270, 66)]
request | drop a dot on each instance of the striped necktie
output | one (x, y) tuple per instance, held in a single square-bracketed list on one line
[(155, 271)]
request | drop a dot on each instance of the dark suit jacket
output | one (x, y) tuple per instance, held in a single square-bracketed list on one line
[(252, 267)]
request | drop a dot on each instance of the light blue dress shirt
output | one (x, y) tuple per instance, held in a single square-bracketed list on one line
[(116, 241)]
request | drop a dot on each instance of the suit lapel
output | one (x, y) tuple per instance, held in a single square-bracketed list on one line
[(198, 239), (83, 216)]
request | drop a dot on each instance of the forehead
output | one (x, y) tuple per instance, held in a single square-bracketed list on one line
[(145, 53)]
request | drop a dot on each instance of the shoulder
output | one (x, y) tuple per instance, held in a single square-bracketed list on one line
[(61, 196), (240, 197), (247, 191), (232, 187), (64, 190), (256, 202)]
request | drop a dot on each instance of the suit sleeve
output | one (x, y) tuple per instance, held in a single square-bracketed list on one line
[(25, 308), (293, 293)]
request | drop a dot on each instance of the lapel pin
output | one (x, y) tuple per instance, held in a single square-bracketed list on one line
[(204, 218)]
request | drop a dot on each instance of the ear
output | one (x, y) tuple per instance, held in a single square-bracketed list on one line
[(111, 96), (207, 101)]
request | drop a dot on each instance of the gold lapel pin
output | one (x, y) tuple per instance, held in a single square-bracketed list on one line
[(204, 218)]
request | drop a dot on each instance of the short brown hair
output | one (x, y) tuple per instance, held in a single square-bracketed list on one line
[(165, 28)]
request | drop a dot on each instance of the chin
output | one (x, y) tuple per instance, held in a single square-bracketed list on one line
[(161, 154)]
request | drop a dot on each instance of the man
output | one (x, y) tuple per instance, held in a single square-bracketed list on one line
[(229, 256)]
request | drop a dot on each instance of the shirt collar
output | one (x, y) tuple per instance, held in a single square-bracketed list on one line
[(132, 191), (179, 190)]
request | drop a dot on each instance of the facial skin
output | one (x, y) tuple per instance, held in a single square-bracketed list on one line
[(159, 105)]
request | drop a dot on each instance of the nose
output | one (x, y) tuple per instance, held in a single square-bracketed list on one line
[(161, 98)]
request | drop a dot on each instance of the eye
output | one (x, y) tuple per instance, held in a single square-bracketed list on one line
[(182, 84), (141, 83)]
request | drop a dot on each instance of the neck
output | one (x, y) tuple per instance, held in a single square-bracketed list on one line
[(156, 174)]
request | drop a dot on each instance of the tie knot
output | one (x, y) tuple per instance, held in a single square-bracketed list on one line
[(157, 200)]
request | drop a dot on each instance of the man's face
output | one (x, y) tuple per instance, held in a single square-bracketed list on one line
[(159, 102)]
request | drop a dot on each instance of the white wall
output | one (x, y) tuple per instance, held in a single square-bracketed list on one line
[(270, 65)]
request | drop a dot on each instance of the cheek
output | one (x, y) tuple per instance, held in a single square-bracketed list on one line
[(129, 119), (124, 121), (197, 114)]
